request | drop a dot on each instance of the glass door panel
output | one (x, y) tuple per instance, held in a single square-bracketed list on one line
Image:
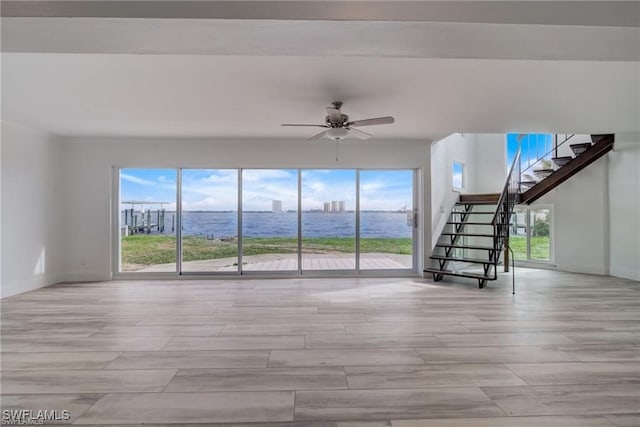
[(539, 242), (147, 224), (328, 219), (269, 220), (209, 220), (530, 236), (386, 219), (518, 238)]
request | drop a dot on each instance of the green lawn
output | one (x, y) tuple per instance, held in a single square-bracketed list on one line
[(145, 250), (539, 247)]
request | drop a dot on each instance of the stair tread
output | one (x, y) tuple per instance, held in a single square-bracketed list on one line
[(562, 158), (469, 223), (459, 274), (478, 203), (473, 213), (582, 144), (461, 259), (447, 245), (468, 234), (579, 149), (544, 170), (479, 199)]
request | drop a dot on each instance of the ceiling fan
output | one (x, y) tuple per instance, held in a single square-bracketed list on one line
[(339, 127)]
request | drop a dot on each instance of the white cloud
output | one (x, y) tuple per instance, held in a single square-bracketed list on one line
[(224, 176), (136, 180), (261, 175)]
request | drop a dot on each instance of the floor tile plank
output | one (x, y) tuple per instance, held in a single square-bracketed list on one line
[(158, 408), (189, 380), (397, 404)]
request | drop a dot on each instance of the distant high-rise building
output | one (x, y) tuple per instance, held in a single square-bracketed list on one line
[(327, 207), (334, 206), (276, 206), (341, 206)]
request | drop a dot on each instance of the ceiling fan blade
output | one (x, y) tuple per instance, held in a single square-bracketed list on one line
[(293, 124), (317, 136), (359, 134), (335, 116), (368, 122)]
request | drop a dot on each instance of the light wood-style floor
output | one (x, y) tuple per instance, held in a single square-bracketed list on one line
[(564, 351)]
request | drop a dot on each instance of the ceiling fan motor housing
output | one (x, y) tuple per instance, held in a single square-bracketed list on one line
[(340, 123)]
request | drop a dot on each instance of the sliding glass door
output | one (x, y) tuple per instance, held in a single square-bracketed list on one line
[(209, 220), (270, 220), (147, 220), (386, 219), (293, 221), (329, 219), (530, 236)]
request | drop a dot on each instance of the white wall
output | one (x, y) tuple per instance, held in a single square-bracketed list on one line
[(581, 220), (624, 207), (490, 166), (32, 210), (89, 170), (456, 147)]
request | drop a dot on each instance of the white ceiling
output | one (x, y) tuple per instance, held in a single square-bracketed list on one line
[(241, 78)]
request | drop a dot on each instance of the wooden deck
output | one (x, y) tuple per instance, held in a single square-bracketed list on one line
[(289, 262)]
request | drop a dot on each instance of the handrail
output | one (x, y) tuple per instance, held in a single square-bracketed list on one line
[(502, 217), (544, 156), (505, 189)]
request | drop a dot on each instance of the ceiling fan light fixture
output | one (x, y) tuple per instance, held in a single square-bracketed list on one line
[(336, 133)]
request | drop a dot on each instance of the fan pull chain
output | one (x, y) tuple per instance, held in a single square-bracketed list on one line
[(337, 150)]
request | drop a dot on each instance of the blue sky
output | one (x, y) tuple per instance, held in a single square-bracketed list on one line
[(533, 146), (216, 189)]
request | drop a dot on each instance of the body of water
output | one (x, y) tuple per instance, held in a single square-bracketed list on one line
[(285, 224)]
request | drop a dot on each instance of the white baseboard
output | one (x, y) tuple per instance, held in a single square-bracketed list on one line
[(625, 273), (35, 282), (583, 268), (87, 276)]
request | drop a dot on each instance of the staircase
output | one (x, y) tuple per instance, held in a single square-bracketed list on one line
[(583, 154), (478, 227), (467, 247)]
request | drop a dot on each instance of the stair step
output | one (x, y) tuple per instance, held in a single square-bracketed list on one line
[(543, 173), (469, 260), (459, 274), (561, 161), (580, 148), (479, 199), (473, 247), (467, 234), (599, 137), (528, 183), (473, 213), (468, 223)]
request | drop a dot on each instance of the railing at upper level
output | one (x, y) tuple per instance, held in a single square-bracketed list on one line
[(544, 160)]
